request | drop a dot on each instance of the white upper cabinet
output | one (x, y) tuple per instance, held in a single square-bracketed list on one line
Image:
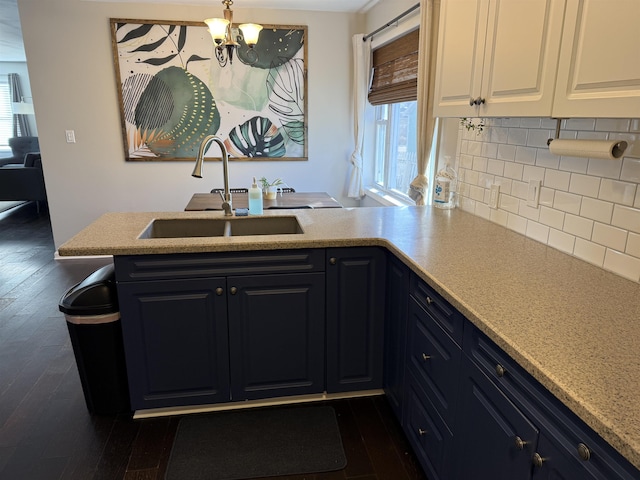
[(497, 57), (599, 68)]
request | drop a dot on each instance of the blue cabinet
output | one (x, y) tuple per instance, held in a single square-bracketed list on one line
[(202, 329), (395, 333), (355, 318), (276, 335), (176, 342)]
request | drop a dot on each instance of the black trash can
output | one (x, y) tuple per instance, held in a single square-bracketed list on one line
[(93, 320)]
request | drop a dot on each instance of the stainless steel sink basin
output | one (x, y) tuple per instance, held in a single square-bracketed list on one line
[(221, 227)]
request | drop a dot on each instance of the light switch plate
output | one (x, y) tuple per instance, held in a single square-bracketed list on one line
[(70, 135), (494, 194), (533, 195)]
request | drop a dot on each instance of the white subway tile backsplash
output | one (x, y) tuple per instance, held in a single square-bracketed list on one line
[(508, 203), (574, 164), (567, 202), (546, 159), (588, 208), (589, 252), (546, 196), (627, 218), (480, 164), (633, 245), (499, 216), (495, 167), (532, 173), (552, 218), (526, 155), (506, 152), (561, 240), (513, 170), (499, 134), (618, 192), (489, 150), (538, 232), (578, 226), (579, 124), (517, 223), (596, 210), (605, 168), (622, 264), (609, 236), (557, 179), (528, 212), (584, 185), (630, 170), (517, 136)]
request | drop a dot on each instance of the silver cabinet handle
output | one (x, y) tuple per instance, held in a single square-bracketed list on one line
[(500, 370), (584, 452), (219, 291), (519, 443), (537, 460), (429, 300), (425, 357), (422, 432), (233, 290), (333, 260)]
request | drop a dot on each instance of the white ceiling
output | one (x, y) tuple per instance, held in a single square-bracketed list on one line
[(12, 50)]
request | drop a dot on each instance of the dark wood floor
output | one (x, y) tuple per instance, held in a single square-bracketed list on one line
[(46, 431)]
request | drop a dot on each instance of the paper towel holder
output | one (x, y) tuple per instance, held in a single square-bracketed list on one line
[(615, 149)]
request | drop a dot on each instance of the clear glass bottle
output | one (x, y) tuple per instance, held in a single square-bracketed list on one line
[(445, 188), (255, 199)]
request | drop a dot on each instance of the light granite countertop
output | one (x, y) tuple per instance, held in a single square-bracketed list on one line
[(573, 326)]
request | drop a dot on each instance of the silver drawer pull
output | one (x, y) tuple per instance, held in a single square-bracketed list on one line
[(429, 301), (425, 357), (537, 460), (422, 432), (519, 443), (500, 370)]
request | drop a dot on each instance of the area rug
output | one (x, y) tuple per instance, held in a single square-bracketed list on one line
[(256, 443), (4, 206)]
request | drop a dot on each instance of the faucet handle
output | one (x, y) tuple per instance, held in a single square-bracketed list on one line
[(222, 196)]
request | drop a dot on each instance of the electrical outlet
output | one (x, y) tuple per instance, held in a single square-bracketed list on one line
[(70, 136), (533, 195), (494, 195)]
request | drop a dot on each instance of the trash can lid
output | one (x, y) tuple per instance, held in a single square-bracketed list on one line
[(95, 295)]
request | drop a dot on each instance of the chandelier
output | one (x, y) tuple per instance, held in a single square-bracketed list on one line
[(226, 36)]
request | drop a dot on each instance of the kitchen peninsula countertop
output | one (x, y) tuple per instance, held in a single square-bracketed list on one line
[(573, 326)]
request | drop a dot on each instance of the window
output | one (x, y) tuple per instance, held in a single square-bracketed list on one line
[(394, 92), (395, 152), (6, 116)]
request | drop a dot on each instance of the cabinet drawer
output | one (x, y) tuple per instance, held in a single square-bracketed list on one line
[(561, 430), (429, 436), (435, 360), (442, 312), (203, 265)]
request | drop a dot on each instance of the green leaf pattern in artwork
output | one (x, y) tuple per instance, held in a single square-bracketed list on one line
[(257, 137)]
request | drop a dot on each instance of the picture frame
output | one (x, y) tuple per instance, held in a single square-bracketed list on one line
[(172, 91)]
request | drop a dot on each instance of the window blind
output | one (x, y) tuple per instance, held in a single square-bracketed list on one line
[(395, 71)]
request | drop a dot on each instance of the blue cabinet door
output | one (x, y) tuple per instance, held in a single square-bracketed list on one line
[(395, 334), (276, 335), (355, 318), (175, 337), (494, 439)]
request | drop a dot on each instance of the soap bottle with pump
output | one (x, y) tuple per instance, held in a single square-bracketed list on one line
[(445, 188), (255, 199)]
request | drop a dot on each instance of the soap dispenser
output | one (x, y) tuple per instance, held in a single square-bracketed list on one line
[(255, 199)]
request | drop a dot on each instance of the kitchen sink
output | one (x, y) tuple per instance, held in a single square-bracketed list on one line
[(221, 227)]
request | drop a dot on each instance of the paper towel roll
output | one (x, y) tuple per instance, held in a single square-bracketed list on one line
[(609, 149)]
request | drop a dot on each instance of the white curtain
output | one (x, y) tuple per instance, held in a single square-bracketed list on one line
[(429, 14), (361, 83)]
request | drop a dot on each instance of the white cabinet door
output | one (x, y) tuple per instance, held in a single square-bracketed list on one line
[(501, 52), (599, 68), (462, 33)]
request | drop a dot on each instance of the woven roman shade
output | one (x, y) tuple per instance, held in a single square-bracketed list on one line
[(395, 71)]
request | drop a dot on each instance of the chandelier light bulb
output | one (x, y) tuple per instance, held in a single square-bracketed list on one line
[(250, 32)]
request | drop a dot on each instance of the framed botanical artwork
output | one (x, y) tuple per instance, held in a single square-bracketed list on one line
[(173, 91)]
